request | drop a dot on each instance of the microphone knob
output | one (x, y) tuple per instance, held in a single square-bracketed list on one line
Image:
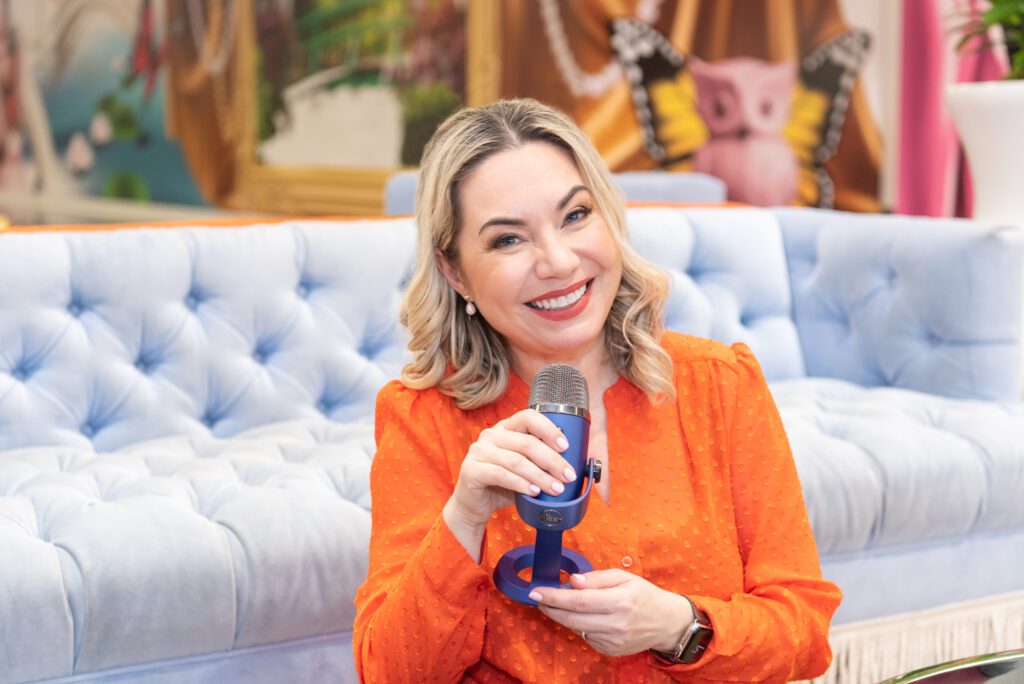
[(596, 472)]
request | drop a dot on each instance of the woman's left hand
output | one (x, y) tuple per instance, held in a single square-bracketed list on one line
[(620, 612)]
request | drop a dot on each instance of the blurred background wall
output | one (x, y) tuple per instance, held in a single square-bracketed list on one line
[(182, 103)]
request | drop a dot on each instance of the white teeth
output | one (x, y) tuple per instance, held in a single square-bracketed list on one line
[(560, 302)]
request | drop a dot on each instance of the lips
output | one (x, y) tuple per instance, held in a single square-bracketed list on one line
[(563, 298)]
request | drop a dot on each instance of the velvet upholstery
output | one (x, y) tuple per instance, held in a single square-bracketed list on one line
[(185, 422)]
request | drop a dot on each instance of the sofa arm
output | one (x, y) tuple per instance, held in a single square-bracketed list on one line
[(927, 304)]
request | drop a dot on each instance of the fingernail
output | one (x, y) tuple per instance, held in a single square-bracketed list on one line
[(535, 596), (562, 443), (570, 474), (557, 487), (580, 578), (534, 489)]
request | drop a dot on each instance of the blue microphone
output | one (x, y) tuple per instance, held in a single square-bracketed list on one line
[(559, 392)]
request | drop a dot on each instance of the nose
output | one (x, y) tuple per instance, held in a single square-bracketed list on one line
[(556, 257)]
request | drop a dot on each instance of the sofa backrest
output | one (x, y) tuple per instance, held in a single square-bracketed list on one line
[(110, 337), (933, 305), (727, 269), (636, 186), (114, 336)]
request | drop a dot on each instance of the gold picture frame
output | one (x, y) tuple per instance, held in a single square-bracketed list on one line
[(332, 190)]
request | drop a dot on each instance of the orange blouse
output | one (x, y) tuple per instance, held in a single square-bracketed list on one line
[(704, 501)]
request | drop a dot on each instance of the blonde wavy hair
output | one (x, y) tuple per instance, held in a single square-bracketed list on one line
[(463, 354)]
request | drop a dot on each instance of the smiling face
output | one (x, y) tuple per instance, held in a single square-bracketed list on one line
[(535, 257)]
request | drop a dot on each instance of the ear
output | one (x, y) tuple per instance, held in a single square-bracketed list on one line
[(450, 273)]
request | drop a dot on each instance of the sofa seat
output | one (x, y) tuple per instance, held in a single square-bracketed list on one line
[(256, 539), (208, 529), (911, 484), (883, 467)]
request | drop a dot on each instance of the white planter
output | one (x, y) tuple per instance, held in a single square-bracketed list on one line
[(990, 119)]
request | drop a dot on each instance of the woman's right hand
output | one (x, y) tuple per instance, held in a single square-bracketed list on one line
[(519, 454)]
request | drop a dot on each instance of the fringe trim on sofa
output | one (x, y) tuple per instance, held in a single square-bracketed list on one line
[(872, 650)]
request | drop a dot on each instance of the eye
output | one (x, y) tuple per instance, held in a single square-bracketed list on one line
[(578, 214), (720, 108), (506, 240)]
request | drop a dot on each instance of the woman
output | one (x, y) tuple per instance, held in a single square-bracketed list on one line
[(698, 529)]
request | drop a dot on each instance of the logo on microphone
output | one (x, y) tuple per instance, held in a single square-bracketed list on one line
[(550, 517)]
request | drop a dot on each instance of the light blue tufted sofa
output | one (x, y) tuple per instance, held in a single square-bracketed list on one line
[(186, 429)]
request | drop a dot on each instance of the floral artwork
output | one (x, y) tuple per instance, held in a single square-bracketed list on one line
[(84, 102), (356, 84)]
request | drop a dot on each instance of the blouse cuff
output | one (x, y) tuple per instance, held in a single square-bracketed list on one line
[(678, 669), (448, 568)]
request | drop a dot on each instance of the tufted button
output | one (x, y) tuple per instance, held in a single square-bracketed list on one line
[(934, 340), (193, 299), (75, 308), (483, 585), (303, 289), (88, 429), (208, 419), (323, 406), (143, 365), (20, 373), (892, 277), (259, 356), (368, 348), (627, 561)]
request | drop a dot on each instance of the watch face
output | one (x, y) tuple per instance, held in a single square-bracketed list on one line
[(698, 642), (697, 639)]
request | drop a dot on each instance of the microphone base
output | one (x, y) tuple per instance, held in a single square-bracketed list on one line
[(509, 583)]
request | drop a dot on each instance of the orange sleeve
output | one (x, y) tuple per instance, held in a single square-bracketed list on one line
[(420, 613), (777, 629)]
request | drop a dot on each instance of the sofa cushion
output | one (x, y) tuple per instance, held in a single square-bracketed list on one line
[(728, 276), (885, 467), (113, 337), (236, 542), (907, 302)]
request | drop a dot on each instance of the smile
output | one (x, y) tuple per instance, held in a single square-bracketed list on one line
[(560, 302)]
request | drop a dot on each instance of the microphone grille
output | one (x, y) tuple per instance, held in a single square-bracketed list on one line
[(560, 383)]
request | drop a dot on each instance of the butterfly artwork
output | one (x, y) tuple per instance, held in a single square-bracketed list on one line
[(766, 129)]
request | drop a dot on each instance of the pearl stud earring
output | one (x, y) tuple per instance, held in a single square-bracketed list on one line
[(470, 308)]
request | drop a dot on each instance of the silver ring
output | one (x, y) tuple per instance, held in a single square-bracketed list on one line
[(584, 634)]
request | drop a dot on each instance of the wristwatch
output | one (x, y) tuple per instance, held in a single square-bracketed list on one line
[(694, 642)]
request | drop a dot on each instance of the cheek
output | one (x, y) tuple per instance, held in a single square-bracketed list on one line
[(608, 256), (495, 278)]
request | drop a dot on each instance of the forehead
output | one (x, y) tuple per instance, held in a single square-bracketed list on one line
[(519, 178)]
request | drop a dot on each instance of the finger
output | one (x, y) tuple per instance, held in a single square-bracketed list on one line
[(537, 480), (600, 579), (592, 623), (540, 426), (494, 475), (573, 600), (527, 469), (538, 452)]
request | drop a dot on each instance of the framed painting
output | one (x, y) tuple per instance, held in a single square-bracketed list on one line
[(335, 96)]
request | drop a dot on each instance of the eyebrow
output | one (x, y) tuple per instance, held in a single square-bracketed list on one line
[(502, 221)]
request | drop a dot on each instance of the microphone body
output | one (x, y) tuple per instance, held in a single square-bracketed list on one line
[(560, 393), (576, 429)]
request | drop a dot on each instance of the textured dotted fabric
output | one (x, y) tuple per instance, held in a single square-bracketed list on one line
[(704, 501)]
